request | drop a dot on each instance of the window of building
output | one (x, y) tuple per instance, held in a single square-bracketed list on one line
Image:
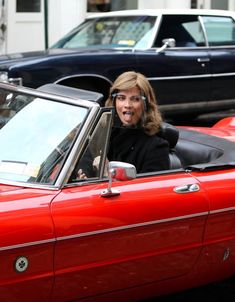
[(28, 6), (110, 5), (193, 3), (218, 4)]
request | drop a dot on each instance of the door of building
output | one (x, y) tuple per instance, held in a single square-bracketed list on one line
[(2, 27), (24, 25)]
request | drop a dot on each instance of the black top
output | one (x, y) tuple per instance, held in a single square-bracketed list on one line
[(132, 145)]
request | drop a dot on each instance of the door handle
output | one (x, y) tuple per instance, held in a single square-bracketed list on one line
[(203, 60), (190, 188)]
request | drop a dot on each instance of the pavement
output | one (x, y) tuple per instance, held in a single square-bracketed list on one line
[(217, 292)]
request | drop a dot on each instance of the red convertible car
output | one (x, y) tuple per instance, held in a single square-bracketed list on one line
[(116, 236)]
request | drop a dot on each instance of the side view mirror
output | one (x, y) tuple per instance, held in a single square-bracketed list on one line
[(118, 171), (169, 42)]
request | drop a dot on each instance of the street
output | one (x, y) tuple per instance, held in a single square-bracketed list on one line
[(217, 292)]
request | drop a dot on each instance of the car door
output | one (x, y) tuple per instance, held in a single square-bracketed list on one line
[(151, 231), (218, 255), (27, 244), (180, 75), (221, 41)]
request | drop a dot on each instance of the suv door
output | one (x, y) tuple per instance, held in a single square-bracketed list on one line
[(220, 31), (180, 75)]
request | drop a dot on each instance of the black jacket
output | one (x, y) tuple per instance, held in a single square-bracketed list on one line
[(132, 145)]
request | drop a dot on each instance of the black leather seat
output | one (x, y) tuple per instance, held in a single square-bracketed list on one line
[(171, 134)]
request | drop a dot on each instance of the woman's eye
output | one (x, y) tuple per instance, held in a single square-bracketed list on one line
[(121, 97)]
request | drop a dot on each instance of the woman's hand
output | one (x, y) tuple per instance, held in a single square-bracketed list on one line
[(96, 164), (81, 175)]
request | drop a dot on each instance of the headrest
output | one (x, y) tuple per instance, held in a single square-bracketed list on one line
[(169, 133)]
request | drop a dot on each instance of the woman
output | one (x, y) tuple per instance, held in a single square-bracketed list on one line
[(137, 123)]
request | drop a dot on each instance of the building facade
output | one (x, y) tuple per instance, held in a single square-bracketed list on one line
[(30, 25)]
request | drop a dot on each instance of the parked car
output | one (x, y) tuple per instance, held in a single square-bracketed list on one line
[(188, 56), (116, 237)]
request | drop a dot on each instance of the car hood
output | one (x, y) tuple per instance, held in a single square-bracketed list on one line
[(14, 58)]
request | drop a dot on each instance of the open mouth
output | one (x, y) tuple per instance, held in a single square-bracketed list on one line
[(128, 113)]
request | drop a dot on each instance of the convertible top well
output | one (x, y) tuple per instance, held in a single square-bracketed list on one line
[(204, 152), (190, 149)]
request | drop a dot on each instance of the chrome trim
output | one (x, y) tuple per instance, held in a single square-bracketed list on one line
[(200, 18), (214, 75), (203, 60), (16, 81), (94, 107), (47, 95), (222, 210), (23, 245), (29, 185), (150, 78), (180, 77), (221, 46), (131, 226), (223, 74), (78, 148), (84, 75), (121, 228), (21, 264), (102, 231), (78, 145), (189, 188), (226, 255), (155, 31)]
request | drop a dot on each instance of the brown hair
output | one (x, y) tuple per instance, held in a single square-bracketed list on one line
[(152, 117)]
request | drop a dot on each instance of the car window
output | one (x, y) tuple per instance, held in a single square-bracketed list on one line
[(220, 30), (110, 32), (186, 30), (36, 139), (92, 162)]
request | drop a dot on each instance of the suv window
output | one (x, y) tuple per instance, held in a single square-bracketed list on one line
[(186, 30), (220, 30)]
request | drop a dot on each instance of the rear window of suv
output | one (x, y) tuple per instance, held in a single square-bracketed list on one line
[(220, 31)]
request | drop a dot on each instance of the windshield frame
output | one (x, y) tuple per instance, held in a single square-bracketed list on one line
[(92, 110)]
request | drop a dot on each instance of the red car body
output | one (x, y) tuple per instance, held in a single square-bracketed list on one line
[(163, 232)]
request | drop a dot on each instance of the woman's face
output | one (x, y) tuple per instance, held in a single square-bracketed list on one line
[(129, 106)]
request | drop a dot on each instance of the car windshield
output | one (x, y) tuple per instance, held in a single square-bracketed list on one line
[(111, 32), (35, 136)]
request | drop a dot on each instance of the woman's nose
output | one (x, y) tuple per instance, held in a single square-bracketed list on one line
[(127, 102)]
